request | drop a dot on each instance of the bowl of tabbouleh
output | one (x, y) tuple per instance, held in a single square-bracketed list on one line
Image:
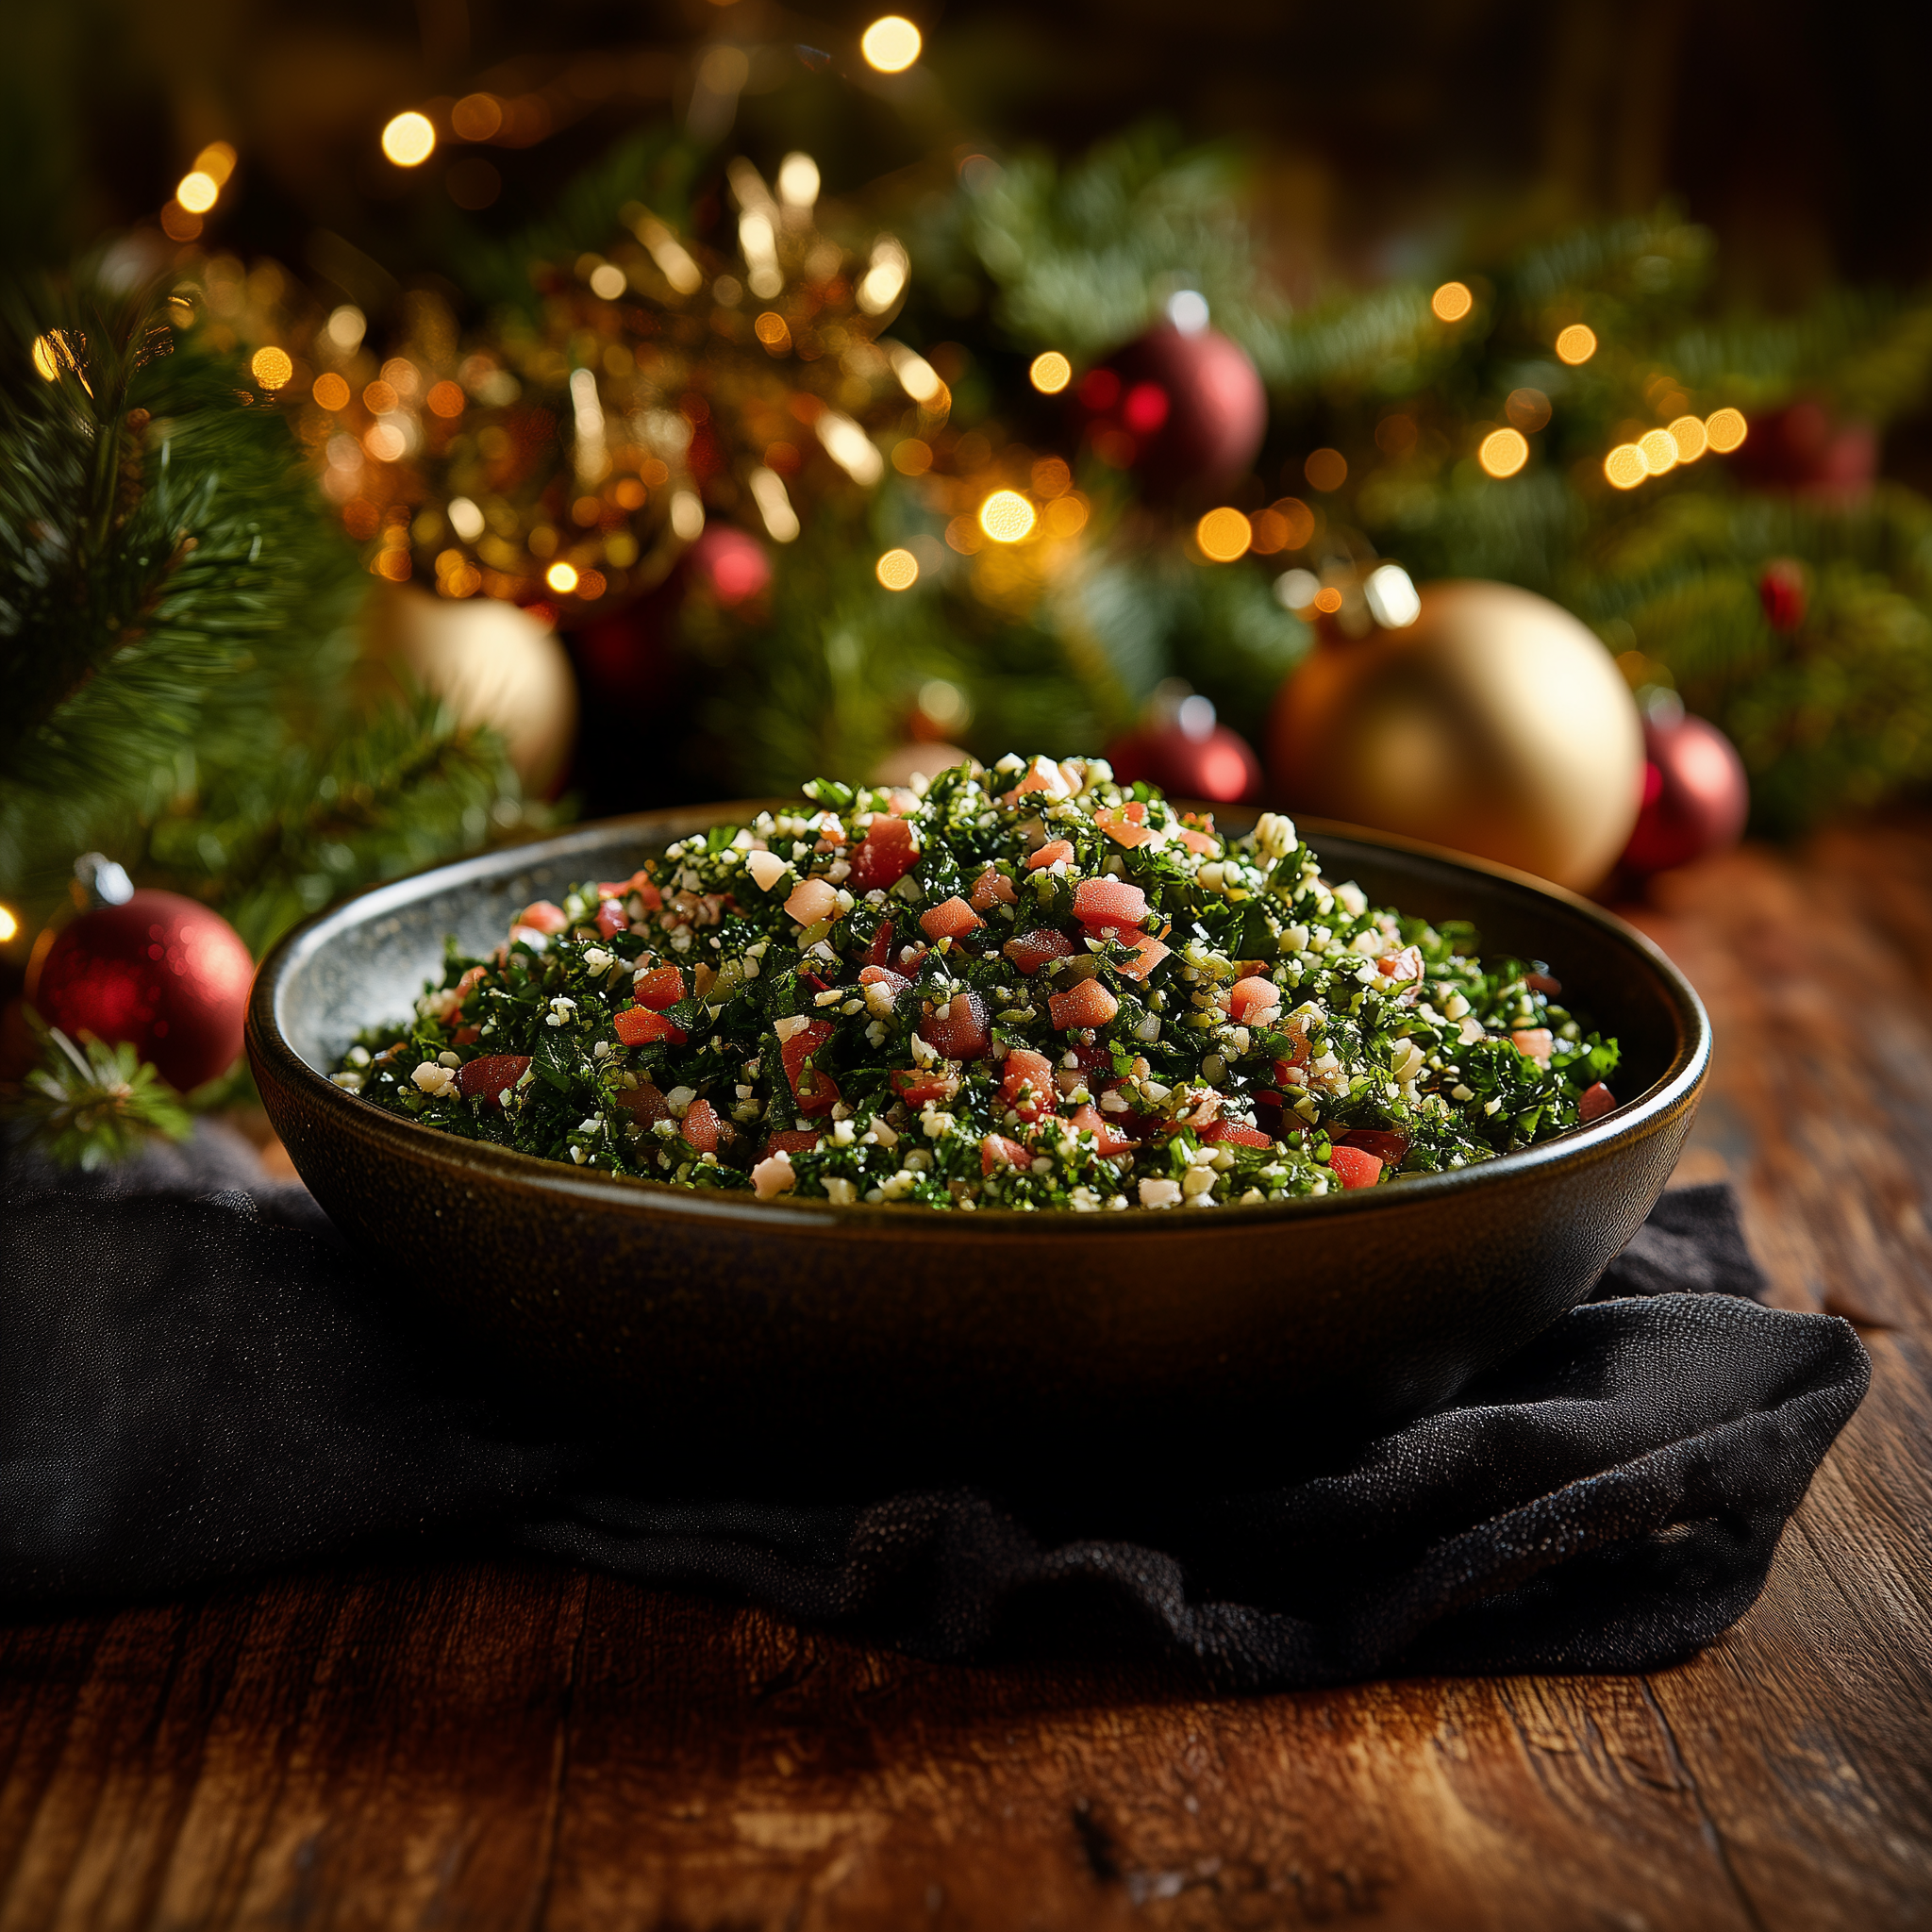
[(1020, 1097)]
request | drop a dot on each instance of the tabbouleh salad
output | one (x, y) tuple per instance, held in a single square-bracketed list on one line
[(1023, 988)]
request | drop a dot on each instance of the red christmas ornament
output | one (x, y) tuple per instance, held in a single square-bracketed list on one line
[(730, 563), (1178, 407), (1188, 755), (1805, 448), (1696, 795), (1783, 592), (159, 970)]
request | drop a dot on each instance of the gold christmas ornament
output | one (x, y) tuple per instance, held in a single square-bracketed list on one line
[(494, 665), (1491, 722)]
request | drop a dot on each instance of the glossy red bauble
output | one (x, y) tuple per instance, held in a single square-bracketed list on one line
[(730, 563), (1219, 765), (159, 971), (1696, 795), (1805, 448), (1178, 409)]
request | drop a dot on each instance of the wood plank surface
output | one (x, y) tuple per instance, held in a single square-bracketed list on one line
[(513, 1746)]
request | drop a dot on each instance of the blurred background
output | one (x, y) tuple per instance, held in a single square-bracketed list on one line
[(437, 422)]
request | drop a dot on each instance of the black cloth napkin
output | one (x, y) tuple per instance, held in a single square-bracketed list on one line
[(198, 1381)]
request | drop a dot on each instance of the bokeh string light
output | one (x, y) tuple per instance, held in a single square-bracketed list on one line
[(890, 44), (1503, 452), (1050, 372), (1224, 535), (1576, 344), (897, 569), (409, 140), (1452, 302)]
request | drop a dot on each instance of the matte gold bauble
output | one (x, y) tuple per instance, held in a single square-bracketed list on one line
[(1494, 724), (495, 664)]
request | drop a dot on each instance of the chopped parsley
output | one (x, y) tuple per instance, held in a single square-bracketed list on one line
[(1027, 988)]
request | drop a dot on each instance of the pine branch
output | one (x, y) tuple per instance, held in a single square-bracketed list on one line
[(94, 1109)]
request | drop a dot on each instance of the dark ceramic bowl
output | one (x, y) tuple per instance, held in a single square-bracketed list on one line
[(711, 1321)]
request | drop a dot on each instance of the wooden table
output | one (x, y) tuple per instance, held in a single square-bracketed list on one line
[(491, 1745)]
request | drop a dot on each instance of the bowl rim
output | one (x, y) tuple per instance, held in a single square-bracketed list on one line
[(1674, 1089)]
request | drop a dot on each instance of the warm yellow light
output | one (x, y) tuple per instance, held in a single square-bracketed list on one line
[(1006, 516), (198, 193), (561, 578), (44, 358), (1326, 469), (890, 44), (1504, 452), (446, 399), (1224, 535), (607, 281), (898, 570), (408, 140), (772, 330), (272, 367), (1051, 373), (1625, 466), (1726, 429), (384, 442), (217, 161), (476, 117), (331, 392), (1066, 516), (379, 397), (1329, 601), (1576, 344), (10, 926), (1687, 433), (1452, 301), (1658, 448)]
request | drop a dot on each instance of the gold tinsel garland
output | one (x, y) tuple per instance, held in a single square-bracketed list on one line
[(570, 457)]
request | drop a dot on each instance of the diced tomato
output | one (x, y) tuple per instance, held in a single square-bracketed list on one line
[(1542, 983), (881, 948), (1148, 953), (1030, 950), (640, 1027), (884, 856), (1112, 1141), (1389, 1145), (824, 1095), (1234, 1134), (951, 919), (917, 1085), (1533, 1043), (543, 916), (484, 1079), (1206, 843), (1090, 1057), (794, 1140), (646, 1103), (1108, 902), (1052, 853), (1085, 1004), (1596, 1102), (996, 1152), (909, 956), (612, 918), (1250, 998), (883, 975), (1298, 1055), (468, 1036), (991, 887), (702, 1127), (660, 989), (962, 1030), (812, 980), (1026, 1084), (1400, 968), (1123, 827), (1354, 1167), (640, 883)]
